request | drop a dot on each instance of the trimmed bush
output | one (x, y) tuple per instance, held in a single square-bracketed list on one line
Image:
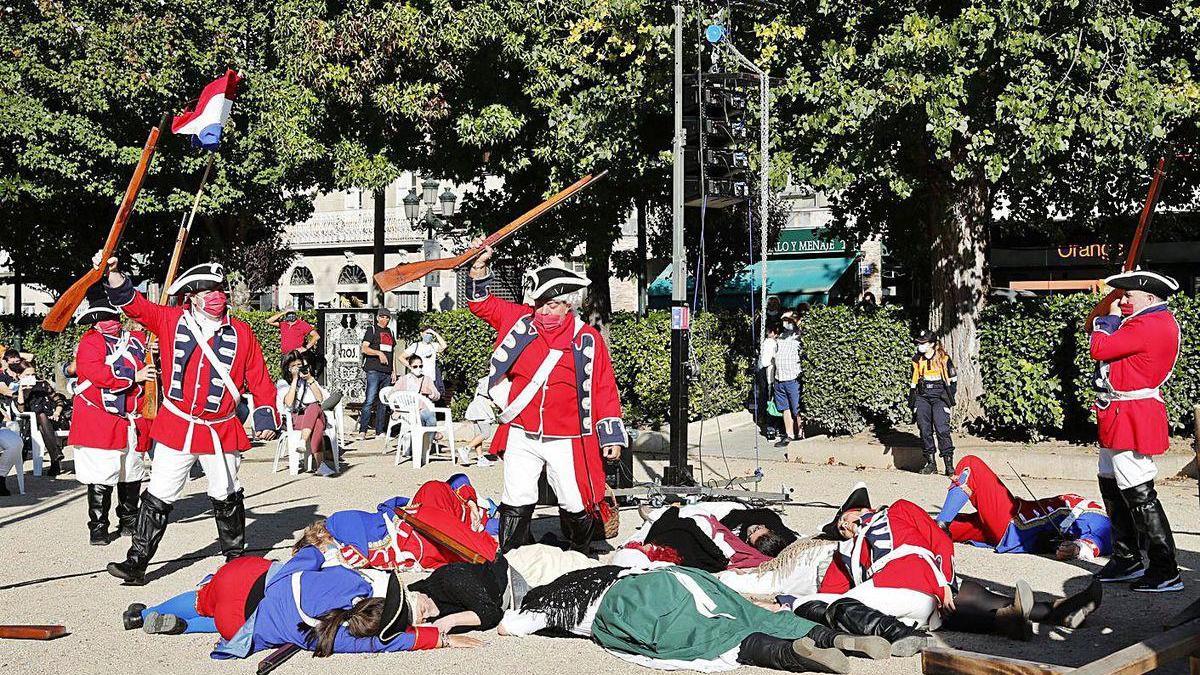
[(856, 368)]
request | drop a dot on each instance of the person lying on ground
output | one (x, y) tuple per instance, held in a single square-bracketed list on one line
[(261, 604), (673, 617), (1066, 525), (702, 536), (896, 559), (382, 540)]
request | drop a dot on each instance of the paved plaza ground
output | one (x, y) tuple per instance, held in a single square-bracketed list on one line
[(51, 575)]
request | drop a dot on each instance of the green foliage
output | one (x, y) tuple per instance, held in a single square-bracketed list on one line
[(856, 368), (1019, 350)]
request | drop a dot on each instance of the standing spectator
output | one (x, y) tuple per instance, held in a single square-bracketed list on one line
[(868, 302), (378, 348), (787, 380), (481, 413), (428, 346), (302, 396), (763, 379), (295, 335), (931, 396)]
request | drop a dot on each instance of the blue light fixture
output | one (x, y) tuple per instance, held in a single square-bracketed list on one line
[(714, 33)]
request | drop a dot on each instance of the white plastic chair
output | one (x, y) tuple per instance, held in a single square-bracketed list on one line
[(291, 441), (406, 407), (39, 443)]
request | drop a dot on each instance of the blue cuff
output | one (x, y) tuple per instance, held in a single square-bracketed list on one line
[(1107, 324), (611, 431), (478, 289), (121, 295), (264, 419), (956, 499)]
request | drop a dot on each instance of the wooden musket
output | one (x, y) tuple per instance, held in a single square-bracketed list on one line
[(31, 632), (60, 314), (438, 537), (410, 272), (1135, 248)]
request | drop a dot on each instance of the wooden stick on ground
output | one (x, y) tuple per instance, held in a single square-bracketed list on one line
[(938, 661), (31, 632)]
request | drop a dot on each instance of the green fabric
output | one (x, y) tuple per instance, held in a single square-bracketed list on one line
[(654, 615)]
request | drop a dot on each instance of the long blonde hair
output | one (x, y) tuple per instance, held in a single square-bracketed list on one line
[(316, 534)]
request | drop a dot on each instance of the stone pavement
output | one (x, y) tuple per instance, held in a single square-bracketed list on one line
[(51, 575)]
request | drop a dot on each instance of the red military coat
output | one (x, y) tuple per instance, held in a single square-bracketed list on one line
[(107, 399), (190, 384), (578, 401), (928, 569), (1138, 354)]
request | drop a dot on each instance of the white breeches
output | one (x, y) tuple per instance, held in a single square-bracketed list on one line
[(99, 466), (912, 607), (1129, 467), (524, 457), (171, 469)]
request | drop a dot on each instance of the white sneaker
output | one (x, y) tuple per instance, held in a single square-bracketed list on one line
[(485, 462)]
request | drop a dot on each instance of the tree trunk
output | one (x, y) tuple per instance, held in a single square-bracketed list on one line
[(597, 307), (959, 285)]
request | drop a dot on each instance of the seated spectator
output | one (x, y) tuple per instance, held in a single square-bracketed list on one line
[(11, 447), (302, 396), (33, 397), (417, 381), (481, 413), (8, 385)]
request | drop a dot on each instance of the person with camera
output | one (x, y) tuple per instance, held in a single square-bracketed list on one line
[(303, 396), (33, 396), (427, 348)]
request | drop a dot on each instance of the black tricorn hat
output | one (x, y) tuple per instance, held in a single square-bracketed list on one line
[(98, 308), (552, 281), (924, 335), (858, 499), (1142, 280), (199, 278), (397, 610)]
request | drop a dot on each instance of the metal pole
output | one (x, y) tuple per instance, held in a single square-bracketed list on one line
[(678, 472), (643, 274), (377, 263)]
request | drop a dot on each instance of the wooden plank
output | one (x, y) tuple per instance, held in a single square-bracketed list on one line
[(1153, 652), (937, 661), (1189, 613)]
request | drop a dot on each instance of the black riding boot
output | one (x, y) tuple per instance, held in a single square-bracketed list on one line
[(948, 463), (1071, 610), (577, 529), (797, 656), (1125, 563), (514, 526), (99, 499), (127, 507), (930, 466), (151, 524), (979, 610), (1151, 521), (230, 514)]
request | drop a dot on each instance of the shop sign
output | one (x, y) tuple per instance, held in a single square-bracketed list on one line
[(806, 241)]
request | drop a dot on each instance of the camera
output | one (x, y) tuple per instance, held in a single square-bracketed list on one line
[(305, 370)]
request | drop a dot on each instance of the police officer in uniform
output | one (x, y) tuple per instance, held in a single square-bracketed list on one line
[(931, 396)]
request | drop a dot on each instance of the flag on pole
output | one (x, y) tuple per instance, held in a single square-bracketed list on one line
[(204, 119)]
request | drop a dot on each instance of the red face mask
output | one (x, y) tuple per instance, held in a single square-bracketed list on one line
[(215, 303), (548, 322), (1126, 310), (109, 326)]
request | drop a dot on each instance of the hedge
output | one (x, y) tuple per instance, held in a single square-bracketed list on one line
[(856, 365)]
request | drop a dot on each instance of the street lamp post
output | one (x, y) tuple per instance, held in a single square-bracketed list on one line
[(412, 212)]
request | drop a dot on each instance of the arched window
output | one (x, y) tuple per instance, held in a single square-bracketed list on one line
[(352, 274), (301, 276)]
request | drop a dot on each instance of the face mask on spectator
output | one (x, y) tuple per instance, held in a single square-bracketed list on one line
[(418, 371), (109, 326), (927, 350), (427, 338), (289, 317)]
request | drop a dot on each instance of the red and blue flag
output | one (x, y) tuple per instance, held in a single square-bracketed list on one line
[(204, 120)]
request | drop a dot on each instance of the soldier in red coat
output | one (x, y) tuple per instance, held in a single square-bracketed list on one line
[(209, 360), (552, 379), (109, 435), (1136, 346)]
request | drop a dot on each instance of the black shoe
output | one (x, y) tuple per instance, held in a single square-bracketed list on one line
[(4, 487), (770, 434), (1121, 569), (1154, 583), (929, 468), (164, 624), (1162, 572), (99, 498), (54, 469), (151, 524), (577, 529), (230, 514), (132, 617), (783, 442), (514, 526), (128, 496), (948, 463), (1071, 611)]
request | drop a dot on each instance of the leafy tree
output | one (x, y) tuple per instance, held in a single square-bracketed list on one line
[(943, 122)]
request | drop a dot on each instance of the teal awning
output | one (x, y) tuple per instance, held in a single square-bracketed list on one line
[(795, 280)]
